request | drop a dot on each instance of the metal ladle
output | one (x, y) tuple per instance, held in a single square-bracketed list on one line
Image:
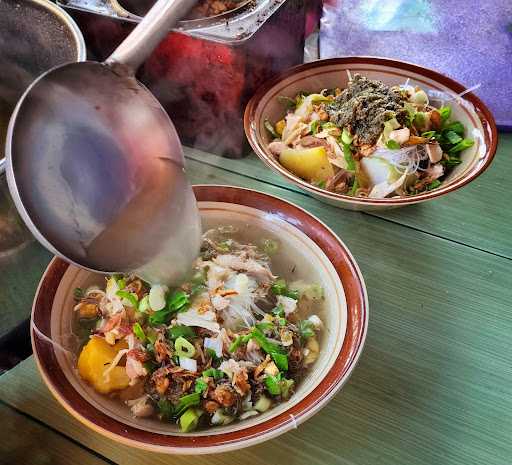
[(95, 166)]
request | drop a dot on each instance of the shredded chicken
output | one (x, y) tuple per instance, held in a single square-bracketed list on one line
[(250, 266), (141, 407), (203, 342)]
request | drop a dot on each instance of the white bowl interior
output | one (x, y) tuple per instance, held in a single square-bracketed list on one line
[(298, 258), (330, 76)]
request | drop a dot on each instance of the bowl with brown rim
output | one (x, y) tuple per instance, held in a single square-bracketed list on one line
[(332, 73), (308, 250)]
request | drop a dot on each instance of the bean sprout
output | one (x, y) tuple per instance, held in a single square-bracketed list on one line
[(405, 160)]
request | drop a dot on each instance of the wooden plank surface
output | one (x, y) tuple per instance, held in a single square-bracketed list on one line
[(27, 442), (434, 385), (478, 215), (19, 277), (22, 262)]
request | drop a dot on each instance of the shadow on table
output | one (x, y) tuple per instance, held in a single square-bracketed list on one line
[(15, 346)]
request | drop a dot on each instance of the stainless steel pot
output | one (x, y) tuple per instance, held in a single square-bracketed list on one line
[(35, 36)]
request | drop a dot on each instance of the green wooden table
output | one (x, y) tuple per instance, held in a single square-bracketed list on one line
[(434, 383)]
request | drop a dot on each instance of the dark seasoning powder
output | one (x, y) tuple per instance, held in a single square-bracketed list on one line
[(364, 106)]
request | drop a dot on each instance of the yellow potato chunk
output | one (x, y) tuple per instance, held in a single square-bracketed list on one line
[(309, 164), (280, 125), (95, 358)]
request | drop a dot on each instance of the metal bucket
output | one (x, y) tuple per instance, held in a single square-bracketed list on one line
[(35, 36)]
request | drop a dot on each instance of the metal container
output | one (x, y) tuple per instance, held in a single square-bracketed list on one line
[(35, 36), (205, 71)]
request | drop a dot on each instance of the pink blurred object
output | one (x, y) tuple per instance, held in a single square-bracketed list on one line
[(313, 15)]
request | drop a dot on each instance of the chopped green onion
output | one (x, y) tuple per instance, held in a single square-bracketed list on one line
[(392, 144), (354, 188), (313, 292), (129, 298), (266, 345), (306, 329), (185, 402), (445, 113), (270, 128), (292, 294), (151, 335), (281, 361), (200, 386), (321, 184), (177, 301), (279, 287), (78, 293), (196, 289), (282, 321), (165, 409), (224, 246), (174, 332), (457, 127), (139, 332), (389, 126), (159, 318), (287, 101), (328, 125), (270, 246), (198, 281), (419, 119), (184, 348), (151, 366), (451, 161), (272, 385), (121, 283), (452, 137), (277, 385), (264, 326), (434, 185), (286, 385), (429, 134), (347, 152), (462, 145), (262, 404), (278, 310), (144, 304), (239, 340), (213, 373), (413, 116), (212, 354), (314, 126), (346, 137), (190, 419)]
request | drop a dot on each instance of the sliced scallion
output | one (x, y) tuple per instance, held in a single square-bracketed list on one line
[(184, 348)]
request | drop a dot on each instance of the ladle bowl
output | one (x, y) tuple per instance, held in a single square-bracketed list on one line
[(95, 166)]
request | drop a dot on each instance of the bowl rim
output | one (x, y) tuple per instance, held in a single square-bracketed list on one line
[(490, 132), (357, 327)]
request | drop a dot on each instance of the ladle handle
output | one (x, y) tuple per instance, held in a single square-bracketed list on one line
[(139, 44)]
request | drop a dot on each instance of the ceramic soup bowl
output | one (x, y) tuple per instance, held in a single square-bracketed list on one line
[(332, 73), (308, 250)]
